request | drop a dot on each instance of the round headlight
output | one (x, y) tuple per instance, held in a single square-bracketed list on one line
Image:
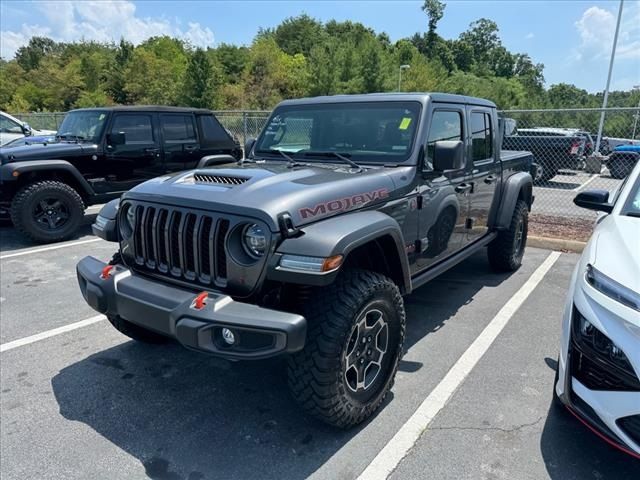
[(254, 240)]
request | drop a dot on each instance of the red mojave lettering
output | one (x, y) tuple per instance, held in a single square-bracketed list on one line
[(343, 204)]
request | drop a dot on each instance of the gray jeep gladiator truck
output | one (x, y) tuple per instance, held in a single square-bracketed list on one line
[(306, 246)]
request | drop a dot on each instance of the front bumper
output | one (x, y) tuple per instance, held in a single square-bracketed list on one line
[(602, 398), (259, 332)]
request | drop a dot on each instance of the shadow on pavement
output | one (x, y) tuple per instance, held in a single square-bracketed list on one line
[(571, 451), (189, 416)]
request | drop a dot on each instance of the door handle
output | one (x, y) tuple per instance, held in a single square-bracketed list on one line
[(190, 148), (464, 187), (490, 179)]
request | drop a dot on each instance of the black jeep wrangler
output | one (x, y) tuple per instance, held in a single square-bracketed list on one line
[(342, 206), (98, 154)]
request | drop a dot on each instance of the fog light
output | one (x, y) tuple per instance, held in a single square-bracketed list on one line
[(228, 336)]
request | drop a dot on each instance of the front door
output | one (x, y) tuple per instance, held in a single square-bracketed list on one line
[(179, 141), (484, 173), (444, 197), (137, 160)]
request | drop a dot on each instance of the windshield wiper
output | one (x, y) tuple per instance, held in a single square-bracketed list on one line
[(291, 162), (337, 155)]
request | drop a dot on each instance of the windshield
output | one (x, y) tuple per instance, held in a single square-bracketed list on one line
[(84, 126), (365, 132), (632, 208)]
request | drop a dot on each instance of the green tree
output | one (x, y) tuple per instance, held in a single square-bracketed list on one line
[(199, 88), (29, 56), (434, 10), (298, 34), (482, 36)]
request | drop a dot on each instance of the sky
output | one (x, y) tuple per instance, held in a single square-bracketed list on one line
[(573, 39)]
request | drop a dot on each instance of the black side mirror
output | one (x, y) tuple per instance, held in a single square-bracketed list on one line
[(248, 146), (448, 155), (26, 129), (116, 138), (594, 200)]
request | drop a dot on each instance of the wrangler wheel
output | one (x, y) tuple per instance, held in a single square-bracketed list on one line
[(354, 345), (506, 251)]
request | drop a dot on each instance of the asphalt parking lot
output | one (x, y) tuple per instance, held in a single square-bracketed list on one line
[(89, 403)]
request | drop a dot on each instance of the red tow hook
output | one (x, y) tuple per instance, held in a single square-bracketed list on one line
[(200, 301), (106, 272)]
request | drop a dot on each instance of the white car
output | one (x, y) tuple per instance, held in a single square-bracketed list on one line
[(11, 128), (598, 376)]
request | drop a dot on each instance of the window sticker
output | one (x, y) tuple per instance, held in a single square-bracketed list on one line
[(404, 124)]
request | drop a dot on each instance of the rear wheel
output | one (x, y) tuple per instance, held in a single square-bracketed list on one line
[(47, 211), (506, 251), (354, 345)]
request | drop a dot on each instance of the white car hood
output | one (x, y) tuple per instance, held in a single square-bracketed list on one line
[(617, 250)]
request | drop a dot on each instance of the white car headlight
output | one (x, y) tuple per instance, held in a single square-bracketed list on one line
[(254, 240), (612, 289)]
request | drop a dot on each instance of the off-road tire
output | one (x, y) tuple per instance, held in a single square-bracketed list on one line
[(135, 332), (27, 199), (506, 251), (317, 375), (544, 173)]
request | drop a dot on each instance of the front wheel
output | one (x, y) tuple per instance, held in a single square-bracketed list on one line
[(506, 251), (354, 344)]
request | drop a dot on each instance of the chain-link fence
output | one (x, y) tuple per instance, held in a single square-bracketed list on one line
[(568, 159), (563, 143)]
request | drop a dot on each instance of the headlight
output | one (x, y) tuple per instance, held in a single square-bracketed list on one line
[(254, 240), (612, 289)]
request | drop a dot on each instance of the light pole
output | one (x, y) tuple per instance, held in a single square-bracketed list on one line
[(402, 67), (606, 90), (637, 114)]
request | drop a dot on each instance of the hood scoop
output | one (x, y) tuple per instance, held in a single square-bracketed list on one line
[(211, 179)]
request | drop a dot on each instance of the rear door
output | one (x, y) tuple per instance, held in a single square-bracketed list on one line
[(444, 197), (179, 141), (138, 159), (484, 170)]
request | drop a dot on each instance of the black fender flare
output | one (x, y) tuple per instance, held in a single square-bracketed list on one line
[(518, 185), (213, 160), (340, 236), (12, 171)]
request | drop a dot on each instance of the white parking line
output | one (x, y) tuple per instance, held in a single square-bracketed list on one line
[(29, 251), (50, 333), (390, 456), (593, 177)]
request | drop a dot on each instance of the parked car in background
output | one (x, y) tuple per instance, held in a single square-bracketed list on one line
[(12, 129), (598, 377), (613, 142), (32, 140), (553, 149), (100, 153), (622, 160)]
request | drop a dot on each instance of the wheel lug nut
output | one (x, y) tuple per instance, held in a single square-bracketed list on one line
[(369, 339), (368, 352), (361, 361), (357, 353)]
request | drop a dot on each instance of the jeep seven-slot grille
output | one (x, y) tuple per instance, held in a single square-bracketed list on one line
[(187, 246), (218, 179)]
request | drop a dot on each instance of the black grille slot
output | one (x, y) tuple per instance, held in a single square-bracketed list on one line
[(221, 254), (218, 179), (188, 246), (631, 427)]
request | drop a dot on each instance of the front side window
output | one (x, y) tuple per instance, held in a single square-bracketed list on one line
[(481, 136), (177, 128), (9, 126), (136, 128), (365, 132), (85, 125), (445, 125)]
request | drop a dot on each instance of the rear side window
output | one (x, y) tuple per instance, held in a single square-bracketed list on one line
[(445, 125), (481, 136), (211, 130), (177, 128), (136, 128)]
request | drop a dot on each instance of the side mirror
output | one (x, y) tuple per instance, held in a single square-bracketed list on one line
[(594, 200), (248, 146), (116, 138), (26, 129), (448, 155)]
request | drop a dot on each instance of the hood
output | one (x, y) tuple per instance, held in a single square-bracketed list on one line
[(617, 248), (35, 132), (49, 151), (307, 193)]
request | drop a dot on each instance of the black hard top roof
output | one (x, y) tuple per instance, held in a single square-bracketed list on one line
[(422, 97), (147, 108)]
